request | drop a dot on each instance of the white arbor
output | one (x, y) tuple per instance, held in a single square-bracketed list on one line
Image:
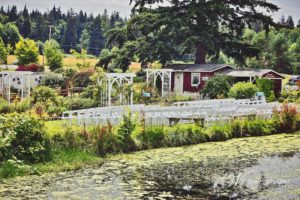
[(118, 83), (21, 81), (165, 75)]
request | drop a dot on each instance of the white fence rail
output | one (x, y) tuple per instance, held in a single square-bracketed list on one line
[(210, 110)]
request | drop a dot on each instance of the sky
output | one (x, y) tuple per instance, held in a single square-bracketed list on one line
[(288, 7)]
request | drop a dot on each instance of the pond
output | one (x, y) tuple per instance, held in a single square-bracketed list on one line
[(248, 168)]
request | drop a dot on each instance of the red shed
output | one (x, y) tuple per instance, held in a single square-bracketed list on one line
[(190, 78)]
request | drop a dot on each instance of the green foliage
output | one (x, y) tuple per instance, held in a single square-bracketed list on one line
[(243, 90), (106, 140), (77, 103), (53, 54), (160, 38), (279, 49), (219, 133), (23, 106), (14, 167), (57, 111), (124, 139), (4, 51), (26, 52), (23, 137), (217, 86), (151, 137), (82, 56), (44, 94), (96, 41), (266, 86), (5, 107), (286, 116), (258, 127), (9, 34), (184, 135), (54, 81)]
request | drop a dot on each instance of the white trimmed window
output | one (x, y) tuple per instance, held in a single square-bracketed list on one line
[(195, 81)]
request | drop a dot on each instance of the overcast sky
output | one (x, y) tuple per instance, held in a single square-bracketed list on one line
[(288, 7)]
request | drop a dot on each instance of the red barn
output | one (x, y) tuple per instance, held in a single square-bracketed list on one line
[(190, 78)]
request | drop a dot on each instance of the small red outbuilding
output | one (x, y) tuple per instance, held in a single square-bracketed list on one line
[(191, 78)]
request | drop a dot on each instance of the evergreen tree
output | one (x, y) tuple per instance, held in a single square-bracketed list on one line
[(84, 39), (290, 22), (40, 29), (24, 23), (204, 28), (70, 33), (298, 25), (12, 14), (282, 20), (96, 42)]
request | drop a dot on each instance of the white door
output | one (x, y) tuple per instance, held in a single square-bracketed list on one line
[(178, 83)]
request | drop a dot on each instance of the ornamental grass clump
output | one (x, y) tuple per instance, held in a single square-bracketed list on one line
[(286, 117)]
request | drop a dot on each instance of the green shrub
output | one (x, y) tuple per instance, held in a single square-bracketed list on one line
[(54, 81), (13, 167), (77, 103), (23, 137), (237, 128), (5, 107), (217, 86), (124, 140), (151, 137), (54, 55), (242, 90), (257, 127), (44, 94), (23, 106), (72, 138), (266, 86), (55, 110), (219, 133), (184, 135)]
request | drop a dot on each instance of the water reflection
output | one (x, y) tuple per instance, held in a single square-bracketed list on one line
[(268, 177)]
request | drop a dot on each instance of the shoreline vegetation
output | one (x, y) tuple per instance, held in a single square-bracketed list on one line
[(52, 148)]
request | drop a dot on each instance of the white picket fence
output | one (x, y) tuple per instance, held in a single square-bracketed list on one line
[(210, 110)]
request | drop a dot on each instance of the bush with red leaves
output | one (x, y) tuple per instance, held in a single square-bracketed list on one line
[(286, 116), (29, 68)]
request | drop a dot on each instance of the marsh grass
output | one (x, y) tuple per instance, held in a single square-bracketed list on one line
[(69, 159)]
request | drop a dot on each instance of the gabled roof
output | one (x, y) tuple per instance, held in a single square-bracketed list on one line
[(197, 67), (251, 73)]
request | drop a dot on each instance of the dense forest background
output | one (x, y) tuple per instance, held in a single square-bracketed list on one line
[(143, 38), (71, 30)]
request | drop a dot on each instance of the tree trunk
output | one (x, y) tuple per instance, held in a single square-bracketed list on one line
[(200, 54)]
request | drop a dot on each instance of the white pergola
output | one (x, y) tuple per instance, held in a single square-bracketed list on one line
[(18, 80), (118, 80), (166, 79)]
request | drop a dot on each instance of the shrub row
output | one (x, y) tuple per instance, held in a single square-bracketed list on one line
[(131, 135)]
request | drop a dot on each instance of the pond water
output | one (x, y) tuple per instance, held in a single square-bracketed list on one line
[(180, 175)]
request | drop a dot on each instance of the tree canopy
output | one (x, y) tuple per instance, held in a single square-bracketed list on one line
[(203, 28)]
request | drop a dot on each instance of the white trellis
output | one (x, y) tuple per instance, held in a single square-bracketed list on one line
[(20, 81), (166, 79), (119, 80)]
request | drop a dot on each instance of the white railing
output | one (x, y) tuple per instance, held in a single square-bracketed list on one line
[(210, 110)]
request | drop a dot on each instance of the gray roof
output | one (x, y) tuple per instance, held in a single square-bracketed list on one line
[(197, 67), (250, 72)]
